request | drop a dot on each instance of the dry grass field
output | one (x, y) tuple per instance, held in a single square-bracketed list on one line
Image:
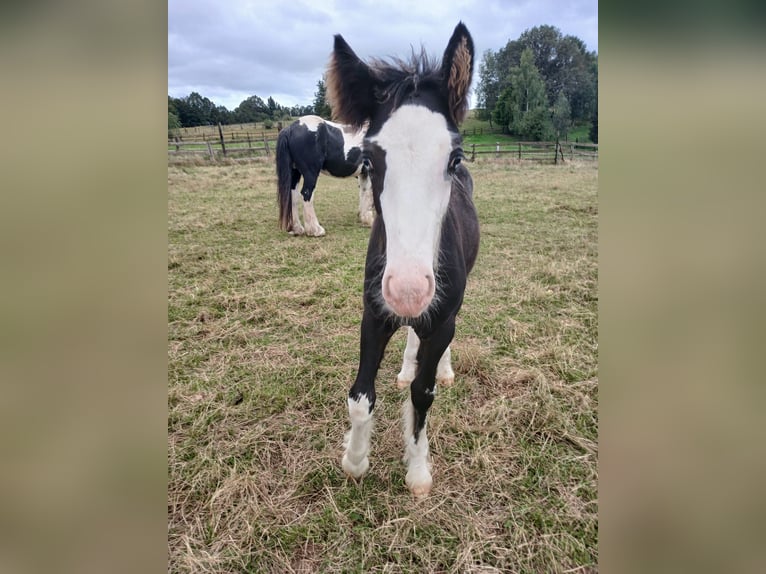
[(263, 345)]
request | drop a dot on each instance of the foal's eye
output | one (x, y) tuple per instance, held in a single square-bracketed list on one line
[(454, 160), (367, 163)]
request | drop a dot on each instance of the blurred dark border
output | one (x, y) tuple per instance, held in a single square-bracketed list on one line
[(681, 277), (83, 306)]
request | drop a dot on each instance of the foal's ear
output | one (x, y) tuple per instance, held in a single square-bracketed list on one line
[(457, 71), (350, 85)]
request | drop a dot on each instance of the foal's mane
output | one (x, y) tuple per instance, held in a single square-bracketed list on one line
[(399, 78)]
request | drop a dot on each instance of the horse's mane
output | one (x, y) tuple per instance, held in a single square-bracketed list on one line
[(400, 78)]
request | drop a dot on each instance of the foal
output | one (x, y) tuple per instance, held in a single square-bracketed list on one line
[(425, 239)]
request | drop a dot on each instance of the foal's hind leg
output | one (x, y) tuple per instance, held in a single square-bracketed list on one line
[(310, 219), (297, 228), (366, 204), (444, 373), (309, 215), (422, 392)]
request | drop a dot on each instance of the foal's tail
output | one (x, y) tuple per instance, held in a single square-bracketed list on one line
[(284, 182)]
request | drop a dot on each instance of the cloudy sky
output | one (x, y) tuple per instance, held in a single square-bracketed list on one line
[(228, 51)]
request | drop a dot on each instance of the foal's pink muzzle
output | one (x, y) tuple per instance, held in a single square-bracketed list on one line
[(410, 292)]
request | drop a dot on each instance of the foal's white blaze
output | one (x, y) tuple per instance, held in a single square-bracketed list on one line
[(416, 192), (357, 440)]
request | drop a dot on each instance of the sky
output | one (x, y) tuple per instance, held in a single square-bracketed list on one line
[(229, 51)]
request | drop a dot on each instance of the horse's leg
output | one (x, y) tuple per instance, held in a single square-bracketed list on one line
[(297, 228), (444, 373), (310, 218), (309, 215), (422, 391), (361, 398), (366, 205), (410, 361)]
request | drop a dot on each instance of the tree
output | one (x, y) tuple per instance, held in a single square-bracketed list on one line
[(562, 116), (250, 110), (593, 133), (275, 110), (564, 64), (522, 108), (321, 107), (487, 90), (173, 123)]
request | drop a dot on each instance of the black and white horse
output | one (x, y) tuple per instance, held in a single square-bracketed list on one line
[(425, 238), (306, 147)]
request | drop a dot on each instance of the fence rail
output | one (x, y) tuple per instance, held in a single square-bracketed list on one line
[(553, 152), (239, 145), (254, 144)]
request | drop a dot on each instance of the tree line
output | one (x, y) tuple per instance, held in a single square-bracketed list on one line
[(539, 85), (196, 110)]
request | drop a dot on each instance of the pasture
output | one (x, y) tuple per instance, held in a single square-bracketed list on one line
[(263, 337)]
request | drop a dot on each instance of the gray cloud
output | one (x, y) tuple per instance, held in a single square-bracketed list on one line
[(228, 51)]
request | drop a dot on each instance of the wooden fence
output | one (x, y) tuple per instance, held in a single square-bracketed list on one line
[(238, 144), (548, 152), (232, 144)]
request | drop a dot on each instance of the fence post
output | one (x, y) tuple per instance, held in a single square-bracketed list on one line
[(556, 153), (519, 151), (248, 141), (473, 152), (220, 133), (266, 145), (178, 147), (210, 150), (497, 149)]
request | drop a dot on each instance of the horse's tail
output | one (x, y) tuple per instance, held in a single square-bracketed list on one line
[(284, 182)]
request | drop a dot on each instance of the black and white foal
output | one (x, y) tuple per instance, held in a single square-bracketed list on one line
[(305, 148), (425, 239)]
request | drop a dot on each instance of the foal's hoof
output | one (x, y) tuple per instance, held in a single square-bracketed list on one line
[(420, 488), (296, 230), (355, 470), (317, 231)]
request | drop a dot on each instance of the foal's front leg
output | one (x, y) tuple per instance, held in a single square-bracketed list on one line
[(361, 397), (422, 391)]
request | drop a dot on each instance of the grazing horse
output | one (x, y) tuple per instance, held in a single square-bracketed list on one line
[(425, 238), (310, 145)]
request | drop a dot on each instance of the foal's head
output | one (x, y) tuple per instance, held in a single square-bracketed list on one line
[(411, 150)]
